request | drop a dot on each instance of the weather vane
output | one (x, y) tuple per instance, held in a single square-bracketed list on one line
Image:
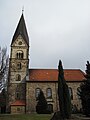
[(22, 9)]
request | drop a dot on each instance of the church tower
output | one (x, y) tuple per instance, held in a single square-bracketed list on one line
[(18, 68)]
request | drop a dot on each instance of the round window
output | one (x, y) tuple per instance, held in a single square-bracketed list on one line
[(20, 43)]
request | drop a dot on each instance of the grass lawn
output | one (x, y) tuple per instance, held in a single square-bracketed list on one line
[(25, 117)]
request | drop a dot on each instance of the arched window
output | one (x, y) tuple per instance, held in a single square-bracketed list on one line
[(49, 93), (17, 96), (71, 93), (17, 93), (19, 55), (37, 92), (18, 77), (19, 66), (78, 92)]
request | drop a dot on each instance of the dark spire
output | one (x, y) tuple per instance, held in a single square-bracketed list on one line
[(21, 30)]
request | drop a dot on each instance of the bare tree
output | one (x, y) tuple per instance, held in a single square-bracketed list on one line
[(4, 60)]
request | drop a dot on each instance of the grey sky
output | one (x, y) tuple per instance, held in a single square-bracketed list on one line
[(58, 29)]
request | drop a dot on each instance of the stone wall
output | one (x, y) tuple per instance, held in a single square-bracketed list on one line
[(23, 47), (17, 109), (14, 70), (76, 100), (13, 89), (31, 99)]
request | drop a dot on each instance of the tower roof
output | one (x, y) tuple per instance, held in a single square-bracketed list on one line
[(21, 30)]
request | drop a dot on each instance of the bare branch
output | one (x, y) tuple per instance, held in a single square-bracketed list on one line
[(4, 60)]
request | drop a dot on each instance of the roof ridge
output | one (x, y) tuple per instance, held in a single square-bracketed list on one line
[(51, 69), (41, 69)]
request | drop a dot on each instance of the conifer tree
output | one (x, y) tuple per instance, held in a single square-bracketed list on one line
[(41, 107), (84, 92), (63, 94)]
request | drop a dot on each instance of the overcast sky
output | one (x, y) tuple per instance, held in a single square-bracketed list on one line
[(58, 29)]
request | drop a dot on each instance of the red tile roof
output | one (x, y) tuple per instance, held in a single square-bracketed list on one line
[(52, 75), (18, 103)]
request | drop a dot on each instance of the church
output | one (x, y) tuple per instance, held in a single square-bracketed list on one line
[(25, 83)]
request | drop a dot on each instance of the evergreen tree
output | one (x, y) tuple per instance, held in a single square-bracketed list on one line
[(60, 89), (63, 94), (41, 107), (84, 92)]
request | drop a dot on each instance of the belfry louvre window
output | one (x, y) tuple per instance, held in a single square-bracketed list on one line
[(49, 93), (37, 92), (18, 77), (19, 55)]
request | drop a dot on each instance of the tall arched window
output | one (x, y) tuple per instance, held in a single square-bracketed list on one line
[(18, 77), (49, 93), (71, 93), (19, 55), (22, 55), (37, 92), (78, 92), (17, 95)]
